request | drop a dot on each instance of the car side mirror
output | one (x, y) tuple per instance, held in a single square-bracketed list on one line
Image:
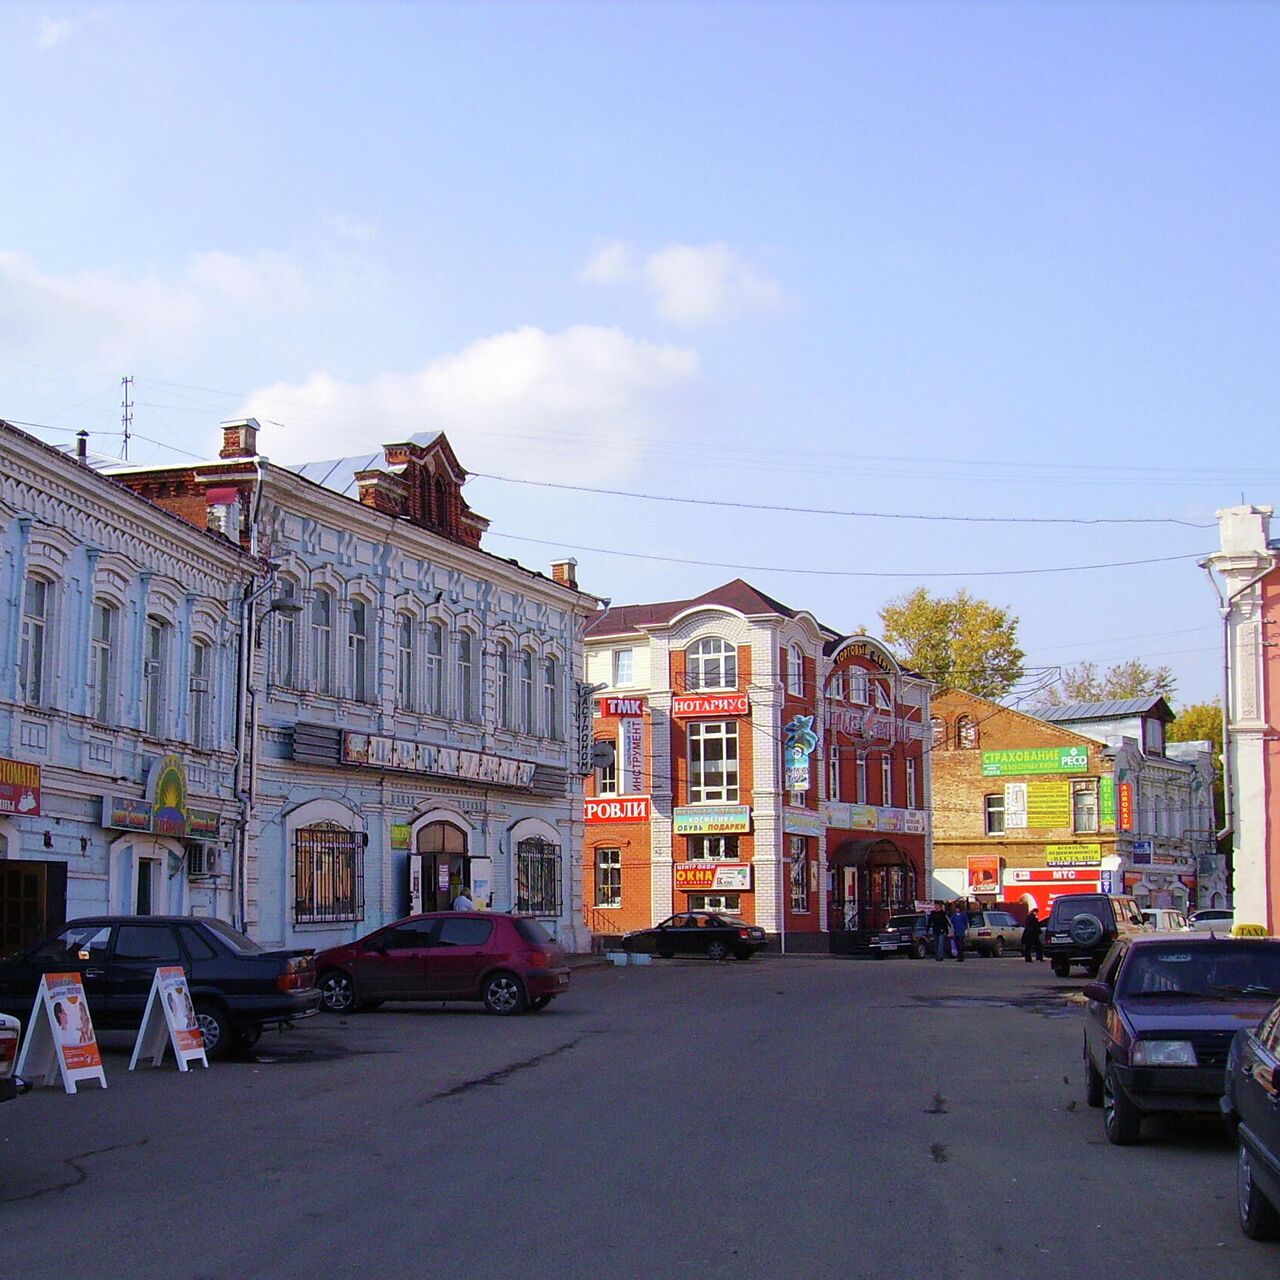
[(1099, 991)]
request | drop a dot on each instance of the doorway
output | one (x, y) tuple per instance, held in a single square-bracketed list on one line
[(445, 867), (33, 902)]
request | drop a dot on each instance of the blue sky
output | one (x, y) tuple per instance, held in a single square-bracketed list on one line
[(981, 261)]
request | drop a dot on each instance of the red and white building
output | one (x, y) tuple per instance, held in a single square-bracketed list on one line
[(762, 764)]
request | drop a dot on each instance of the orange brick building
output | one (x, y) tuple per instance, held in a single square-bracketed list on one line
[(763, 765)]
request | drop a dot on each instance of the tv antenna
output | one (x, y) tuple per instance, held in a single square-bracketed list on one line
[(126, 418)]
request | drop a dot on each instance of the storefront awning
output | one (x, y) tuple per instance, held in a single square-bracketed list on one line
[(853, 853)]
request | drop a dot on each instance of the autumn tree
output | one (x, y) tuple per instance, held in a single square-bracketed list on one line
[(958, 641), (1131, 679), (1202, 721)]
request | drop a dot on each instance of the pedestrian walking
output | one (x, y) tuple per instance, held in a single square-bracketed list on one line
[(959, 923), (1032, 937), (939, 929)]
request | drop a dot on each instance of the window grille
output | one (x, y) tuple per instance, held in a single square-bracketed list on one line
[(328, 874), (538, 877)]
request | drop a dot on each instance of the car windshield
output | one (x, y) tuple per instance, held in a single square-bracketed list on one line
[(901, 922), (233, 938), (1225, 969)]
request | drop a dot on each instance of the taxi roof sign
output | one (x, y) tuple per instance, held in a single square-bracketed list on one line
[(1249, 931)]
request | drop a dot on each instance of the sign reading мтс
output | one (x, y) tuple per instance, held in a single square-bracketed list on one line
[(1027, 760)]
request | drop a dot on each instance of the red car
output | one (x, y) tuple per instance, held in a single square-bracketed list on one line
[(510, 963)]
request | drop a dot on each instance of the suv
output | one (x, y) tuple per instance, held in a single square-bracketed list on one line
[(992, 933), (238, 987), (903, 933), (1082, 926)]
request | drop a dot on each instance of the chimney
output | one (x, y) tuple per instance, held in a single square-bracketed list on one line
[(82, 448), (565, 572), (239, 438)]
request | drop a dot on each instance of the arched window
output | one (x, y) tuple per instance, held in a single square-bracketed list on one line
[(465, 694), (103, 662), (358, 652), (502, 688), (966, 733), (200, 706), (711, 663), (937, 733), (322, 641), (328, 874), (406, 672), (155, 677), (795, 670), (435, 668), (538, 877), (285, 636), (551, 699), (37, 619)]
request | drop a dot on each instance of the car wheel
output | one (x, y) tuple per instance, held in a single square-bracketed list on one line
[(1121, 1119), (1092, 1083), (337, 991), (920, 950), (1062, 968), (539, 1002), (215, 1027), (247, 1036), (503, 994), (997, 949), (1086, 930), (1258, 1217), (717, 951)]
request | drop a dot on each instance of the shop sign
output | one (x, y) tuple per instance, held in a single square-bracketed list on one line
[(1048, 805), (872, 653), (165, 811), (803, 822), (400, 835), (1031, 760), (19, 787), (1073, 855), (623, 708), (423, 757), (124, 814), (1107, 801), (915, 822), (1051, 875), (616, 809), (713, 877), (686, 706), (1107, 879), (1140, 852), (868, 817), (1124, 806), (712, 820), (984, 872), (798, 743), (633, 755)]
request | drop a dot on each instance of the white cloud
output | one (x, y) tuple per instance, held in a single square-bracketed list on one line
[(689, 284), (53, 31), (107, 316), (526, 402)]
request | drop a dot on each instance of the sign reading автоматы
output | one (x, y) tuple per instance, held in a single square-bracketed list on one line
[(1024, 760)]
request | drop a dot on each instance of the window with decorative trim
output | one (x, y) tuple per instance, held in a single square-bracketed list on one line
[(358, 652), (527, 707), (607, 773), (993, 813), (465, 666), (33, 662), (328, 874), (502, 684), (913, 794), (551, 699), (711, 663), (322, 641), (406, 664), (155, 676), (201, 703), (538, 877), (608, 877), (104, 636), (1084, 804), (859, 688), (795, 671), (435, 669), (860, 779), (624, 670), (284, 638), (886, 780), (966, 733)]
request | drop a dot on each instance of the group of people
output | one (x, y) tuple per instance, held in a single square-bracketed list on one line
[(948, 925)]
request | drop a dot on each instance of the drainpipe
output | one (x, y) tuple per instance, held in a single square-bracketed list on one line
[(1226, 606)]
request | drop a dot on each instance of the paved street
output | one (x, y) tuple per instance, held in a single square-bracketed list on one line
[(789, 1117)]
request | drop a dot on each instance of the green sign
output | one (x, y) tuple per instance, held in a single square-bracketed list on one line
[(1107, 801), (399, 835), (1029, 760)]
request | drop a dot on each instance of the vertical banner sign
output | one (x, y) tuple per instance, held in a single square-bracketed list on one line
[(1015, 806), (61, 1043), (798, 743), (633, 756), (1124, 806), (170, 1018)]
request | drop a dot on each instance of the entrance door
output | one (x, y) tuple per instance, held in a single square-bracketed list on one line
[(445, 865), (33, 902)]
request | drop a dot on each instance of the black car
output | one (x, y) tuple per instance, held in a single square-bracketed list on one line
[(1251, 1105), (907, 933), (1160, 1020), (698, 933), (1082, 926), (237, 987)]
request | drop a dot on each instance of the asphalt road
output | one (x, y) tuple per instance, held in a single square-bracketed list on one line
[(801, 1117)]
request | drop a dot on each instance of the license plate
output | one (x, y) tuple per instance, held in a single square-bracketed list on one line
[(888, 946), (562, 980)]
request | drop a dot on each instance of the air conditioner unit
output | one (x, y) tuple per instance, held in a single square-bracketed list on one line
[(202, 861)]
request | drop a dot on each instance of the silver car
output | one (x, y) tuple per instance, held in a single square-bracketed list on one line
[(992, 933)]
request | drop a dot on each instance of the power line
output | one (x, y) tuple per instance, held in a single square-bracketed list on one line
[(842, 573), (832, 511)]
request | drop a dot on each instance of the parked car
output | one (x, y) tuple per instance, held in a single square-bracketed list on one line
[(903, 933), (699, 933), (992, 933), (1082, 926), (1160, 1019), (11, 1085), (1217, 919), (1251, 1105), (237, 987), (509, 962), (1164, 919)]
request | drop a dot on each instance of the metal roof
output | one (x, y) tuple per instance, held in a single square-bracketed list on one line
[(339, 474), (1108, 709)]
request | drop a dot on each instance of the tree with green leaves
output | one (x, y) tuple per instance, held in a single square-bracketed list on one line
[(1131, 679), (958, 641)]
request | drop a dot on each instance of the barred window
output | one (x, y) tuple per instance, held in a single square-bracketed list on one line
[(328, 874), (538, 877)]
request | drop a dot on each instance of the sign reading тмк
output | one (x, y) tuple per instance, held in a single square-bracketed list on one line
[(1027, 760)]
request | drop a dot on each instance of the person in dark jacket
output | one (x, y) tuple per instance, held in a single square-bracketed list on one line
[(939, 929), (1032, 937), (959, 926)]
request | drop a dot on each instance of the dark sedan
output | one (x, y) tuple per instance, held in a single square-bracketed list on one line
[(699, 933), (1160, 1020), (1251, 1105), (237, 987), (908, 934)]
